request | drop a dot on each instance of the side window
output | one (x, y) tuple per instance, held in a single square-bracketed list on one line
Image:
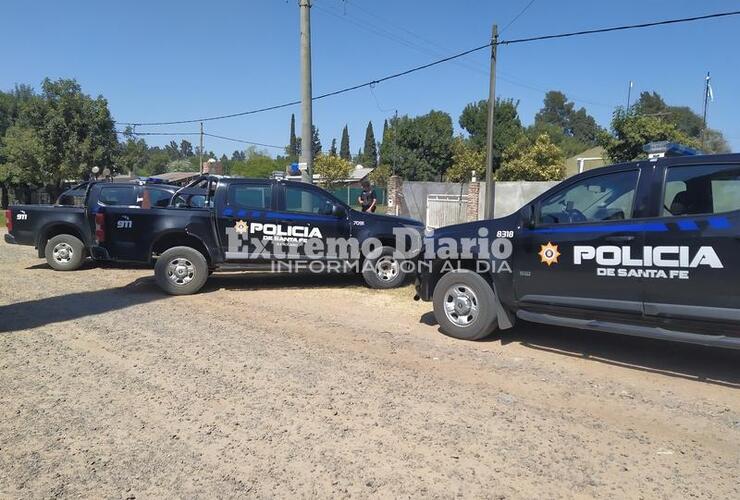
[(158, 198), (118, 196), (302, 200), (701, 189), (253, 196), (601, 198)]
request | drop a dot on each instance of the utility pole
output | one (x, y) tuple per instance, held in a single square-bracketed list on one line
[(707, 93), (201, 147), (306, 92), (629, 94), (490, 195)]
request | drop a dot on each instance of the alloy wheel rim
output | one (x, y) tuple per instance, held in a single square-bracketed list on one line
[(461, 305)]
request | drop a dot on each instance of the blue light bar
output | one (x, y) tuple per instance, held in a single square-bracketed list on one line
[(667, 148)]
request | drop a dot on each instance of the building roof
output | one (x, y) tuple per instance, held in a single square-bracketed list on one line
[(176, 176), (596, 157)]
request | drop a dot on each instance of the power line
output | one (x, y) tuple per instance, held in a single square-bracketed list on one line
[(619, 28), (242, 141), (442, 61), (521, 13)]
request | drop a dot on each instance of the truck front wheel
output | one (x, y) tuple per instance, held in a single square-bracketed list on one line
[(385, 270), (181, 271), (464, 305), (64, 252)]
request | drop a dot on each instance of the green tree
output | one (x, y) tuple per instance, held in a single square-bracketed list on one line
[(332, 170), (572, 130), (293, 150), (186, 149), (508, 129), (631, 131), (333, 149), (421, 147), (133, 156), (70, 133), (370, 152), (683, 118), (379, 176), (714, 142), (315, 141), (525, 160), (465, 160), (344, 145)]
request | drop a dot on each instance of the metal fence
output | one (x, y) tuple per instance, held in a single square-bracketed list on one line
[(349, 195), (446, 209)]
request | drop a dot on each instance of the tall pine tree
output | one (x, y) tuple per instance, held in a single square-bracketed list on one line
[(344, 145), (293, 147), (333, 149), (315, 142), (370, 157)]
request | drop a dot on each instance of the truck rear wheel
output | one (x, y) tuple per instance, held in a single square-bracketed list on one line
[(181, 271), (64, 252), (464, 305), (384, 271)]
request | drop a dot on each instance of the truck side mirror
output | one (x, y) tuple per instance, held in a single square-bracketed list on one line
[(338, 211)]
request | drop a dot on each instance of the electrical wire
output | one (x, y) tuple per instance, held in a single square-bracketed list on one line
[(521, 13), (442, 61), (619, 28), (242, 141)]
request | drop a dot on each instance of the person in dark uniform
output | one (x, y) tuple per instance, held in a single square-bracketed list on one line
[(367, 199)]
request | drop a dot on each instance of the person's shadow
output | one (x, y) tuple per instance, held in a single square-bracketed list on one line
[(674, 359)]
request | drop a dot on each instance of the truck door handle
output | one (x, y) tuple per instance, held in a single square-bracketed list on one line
[(620, 239)]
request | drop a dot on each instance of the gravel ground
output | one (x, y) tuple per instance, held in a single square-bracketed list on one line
[(268, 385)]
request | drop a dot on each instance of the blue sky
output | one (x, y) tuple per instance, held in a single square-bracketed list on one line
[(170, 60)]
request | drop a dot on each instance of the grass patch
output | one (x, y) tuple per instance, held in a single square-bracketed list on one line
[(2, 218)]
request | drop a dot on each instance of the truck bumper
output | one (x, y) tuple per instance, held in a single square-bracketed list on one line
[(10, 239)]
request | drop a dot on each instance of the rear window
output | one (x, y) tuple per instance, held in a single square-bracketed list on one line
[(254, 196), (118, 196), (701, 189)]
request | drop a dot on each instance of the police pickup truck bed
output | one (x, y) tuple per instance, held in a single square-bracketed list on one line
[(64, 234), (649, 248), (237, 223)]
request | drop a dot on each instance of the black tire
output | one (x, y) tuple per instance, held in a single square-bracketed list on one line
[(64, 252), (384, 270), (452, 313), (186, 260)]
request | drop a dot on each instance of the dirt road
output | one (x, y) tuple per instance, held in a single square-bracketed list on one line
[(297, 386)]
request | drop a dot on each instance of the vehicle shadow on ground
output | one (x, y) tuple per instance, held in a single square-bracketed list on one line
[(90, 265), (257, 280), (674, 359), (49, 310)]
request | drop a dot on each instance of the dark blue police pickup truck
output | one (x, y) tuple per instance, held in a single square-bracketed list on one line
[(64, 232), (238, 223), (649, 248)]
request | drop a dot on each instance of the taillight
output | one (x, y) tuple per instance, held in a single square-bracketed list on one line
[(9, 219), (100, 227)]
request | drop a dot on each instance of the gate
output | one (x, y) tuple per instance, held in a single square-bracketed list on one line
[(446, 209)]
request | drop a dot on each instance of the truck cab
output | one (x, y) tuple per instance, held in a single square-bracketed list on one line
[(647, 248)]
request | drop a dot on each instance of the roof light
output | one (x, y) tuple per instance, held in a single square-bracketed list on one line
[(659, 149)]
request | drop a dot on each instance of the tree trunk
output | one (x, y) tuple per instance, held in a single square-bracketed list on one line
[(4, 200)]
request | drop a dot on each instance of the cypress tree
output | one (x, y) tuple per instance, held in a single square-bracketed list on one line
[(333, 149), (344, 145), (371, 148), (293, 149), (315, 142)]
